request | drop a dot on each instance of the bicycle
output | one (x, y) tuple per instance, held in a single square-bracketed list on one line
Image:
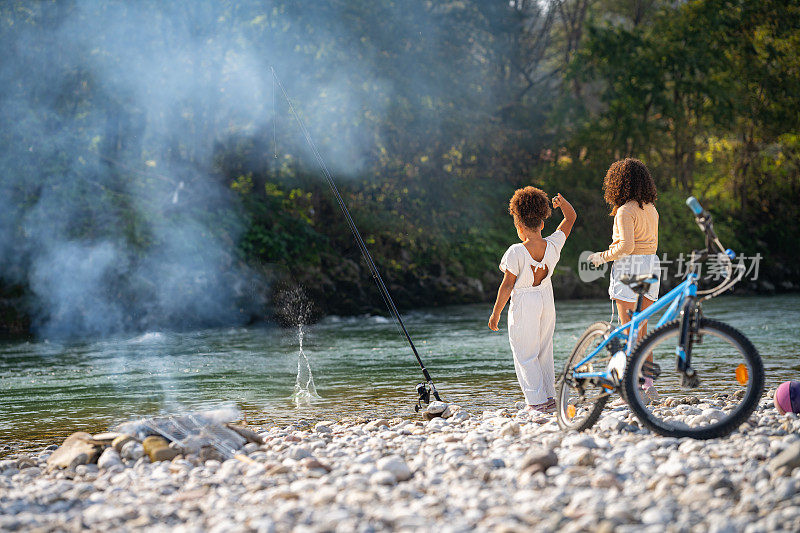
[(692, 359)]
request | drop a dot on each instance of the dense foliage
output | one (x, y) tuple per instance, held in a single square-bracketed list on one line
[(430, 114)]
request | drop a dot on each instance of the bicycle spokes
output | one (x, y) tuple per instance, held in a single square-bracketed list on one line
[(706, 399), (581, 399)]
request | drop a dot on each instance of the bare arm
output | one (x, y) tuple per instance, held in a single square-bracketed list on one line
[(503, 294), (568, 211)]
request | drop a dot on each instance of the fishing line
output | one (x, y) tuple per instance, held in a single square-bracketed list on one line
[(387, 298), (274, 122)]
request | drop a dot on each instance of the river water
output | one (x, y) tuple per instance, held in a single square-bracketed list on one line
[(360, 366)]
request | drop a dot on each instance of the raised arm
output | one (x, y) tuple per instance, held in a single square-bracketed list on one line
[(568, 211)]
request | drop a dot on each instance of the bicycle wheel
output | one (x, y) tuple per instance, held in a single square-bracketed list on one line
[(580, 401), (730, 381)]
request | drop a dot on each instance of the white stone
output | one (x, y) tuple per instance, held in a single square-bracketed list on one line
[(611, 423), (579, 441), (672, 467), (375, 424), (108, 458), (382, 477), (436, 423), (299, 452), (322, 427), (510, 429), (133, 451), (436, 407), (396, 465), (656, 516), (452, 410), (465, 478)]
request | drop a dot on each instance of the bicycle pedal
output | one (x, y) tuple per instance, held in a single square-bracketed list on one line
[(607, 385)]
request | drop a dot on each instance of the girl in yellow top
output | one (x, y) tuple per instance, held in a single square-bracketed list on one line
[(631, 193)]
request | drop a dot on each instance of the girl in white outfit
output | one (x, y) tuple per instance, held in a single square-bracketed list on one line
[(527, 268)]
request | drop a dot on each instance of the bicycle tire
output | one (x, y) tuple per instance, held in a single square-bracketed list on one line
[(597, 328), (717, 429)]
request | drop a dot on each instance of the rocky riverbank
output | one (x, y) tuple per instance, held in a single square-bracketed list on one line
[(496, 471)]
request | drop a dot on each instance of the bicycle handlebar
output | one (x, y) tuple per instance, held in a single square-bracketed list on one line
[(694, 205), (704, 221)]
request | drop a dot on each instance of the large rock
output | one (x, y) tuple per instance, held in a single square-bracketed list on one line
[(78, 448)]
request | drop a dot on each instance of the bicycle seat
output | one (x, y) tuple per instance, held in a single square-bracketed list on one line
[(639, 283)]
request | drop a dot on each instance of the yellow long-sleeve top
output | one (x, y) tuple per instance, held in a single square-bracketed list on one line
[(635, 231)]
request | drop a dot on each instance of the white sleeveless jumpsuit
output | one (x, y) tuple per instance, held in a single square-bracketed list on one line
[(532, 318)]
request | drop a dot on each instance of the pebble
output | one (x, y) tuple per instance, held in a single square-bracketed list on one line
[(436, 407), (299, 452), (396, 465), (323, 427), (110, 457), (382, 477), (672, 467), (132, 450), (498, 471), (375, 424), (77, 449), (611, 424), (539, 461), (788, 459), (510, 429), (158, 449)]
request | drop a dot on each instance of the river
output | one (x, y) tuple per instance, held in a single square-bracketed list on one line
[(360, 366)]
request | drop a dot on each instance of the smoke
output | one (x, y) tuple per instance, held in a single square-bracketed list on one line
[(113, 210)]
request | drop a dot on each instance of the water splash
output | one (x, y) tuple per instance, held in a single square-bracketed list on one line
[(304, 390), (294, 308)]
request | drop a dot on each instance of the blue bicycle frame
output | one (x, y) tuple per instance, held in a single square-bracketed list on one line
[(674, 299)]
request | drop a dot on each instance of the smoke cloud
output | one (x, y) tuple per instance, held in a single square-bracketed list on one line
[(113, 213)]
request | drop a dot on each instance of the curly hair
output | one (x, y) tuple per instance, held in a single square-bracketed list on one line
[(530, 207), (626, 180)]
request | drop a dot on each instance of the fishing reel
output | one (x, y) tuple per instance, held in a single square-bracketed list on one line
[(424, 393)]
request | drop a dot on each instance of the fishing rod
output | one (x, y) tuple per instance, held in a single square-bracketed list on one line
[(423, 391)]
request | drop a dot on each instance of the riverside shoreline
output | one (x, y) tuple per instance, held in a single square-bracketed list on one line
[(501, 470)]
